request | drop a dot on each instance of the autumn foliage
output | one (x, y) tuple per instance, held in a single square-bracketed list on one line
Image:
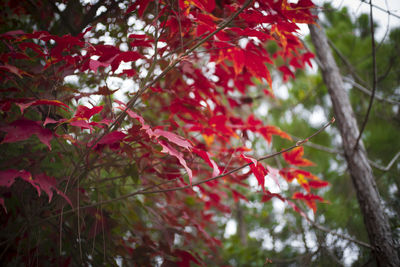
[(94, 172)]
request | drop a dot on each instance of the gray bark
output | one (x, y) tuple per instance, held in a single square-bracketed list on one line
[(376, 221), (241, 227)]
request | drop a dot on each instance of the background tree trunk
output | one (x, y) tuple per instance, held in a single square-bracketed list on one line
[(375, 220), (241, 227)]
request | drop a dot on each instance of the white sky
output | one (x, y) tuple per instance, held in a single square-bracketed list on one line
[(357, 7)]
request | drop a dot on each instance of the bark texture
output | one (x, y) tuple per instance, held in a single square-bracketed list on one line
[(376, 221)]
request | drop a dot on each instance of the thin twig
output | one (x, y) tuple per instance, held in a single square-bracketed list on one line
[(329, 231), (387, 168), (371, 100), (381, 9), (368, 92)]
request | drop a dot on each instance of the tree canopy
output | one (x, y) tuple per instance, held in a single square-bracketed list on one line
[(129, 129)]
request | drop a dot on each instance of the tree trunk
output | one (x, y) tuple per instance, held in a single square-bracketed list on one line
[(376, 222), (241, 227)]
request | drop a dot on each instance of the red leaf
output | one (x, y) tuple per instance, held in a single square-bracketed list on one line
[(48, 184), (12, 69), (206, 157), (295, 157), (22, 129), (309, 199), (136, 116), (95, 64), (307, 58), (295, 208), (173, 152), (7, 178), (129, 73), (176, 139), (41, 182), (185, 257), (57, 103), (236, 196), (126, 57), (290, 173), (82, 124), (142, 6), (257, 169), (268, 195), (238, 60), (318, 184), (86, 113), (112, 138), (268, 131), (286, 73)]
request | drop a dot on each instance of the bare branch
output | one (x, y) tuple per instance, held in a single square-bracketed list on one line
[(387, 168), (374, 71), (368, 92)]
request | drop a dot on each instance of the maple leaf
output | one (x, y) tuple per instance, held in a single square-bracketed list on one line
[(257, 169), (309, 199), (236, 196), (286, 73), (57, 103), (82, 124), (9, 68), (40, 182), (173, 138), (303, 182), (296, 209), (318, 184), (86, 113), (95, 64), (112, 138), (291, 173), (268, 195), (48, 184), (295, 157), (269, 130), (7, 177), (129, 73), (185, 258), (136, 116), (206, 157), (173, 152), (126, 57), (22, 129)]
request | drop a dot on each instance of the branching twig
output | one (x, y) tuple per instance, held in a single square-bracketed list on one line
[(329, 231), (368, 92), (371, 100), (387, 168), (382, 9)]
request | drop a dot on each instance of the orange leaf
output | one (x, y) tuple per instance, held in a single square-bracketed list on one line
[(295, 157)]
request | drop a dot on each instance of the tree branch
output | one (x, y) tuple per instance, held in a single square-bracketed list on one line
[(374, 72), (368, 92), (387, 168)]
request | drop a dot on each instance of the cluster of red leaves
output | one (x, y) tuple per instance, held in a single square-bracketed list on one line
[(189, 123)]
